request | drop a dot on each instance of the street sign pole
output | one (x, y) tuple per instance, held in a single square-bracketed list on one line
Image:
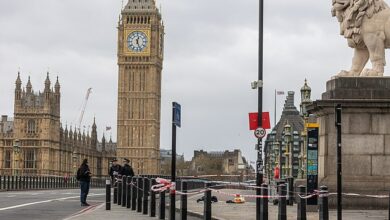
[(259, 163), (339, 165), (176, 121)]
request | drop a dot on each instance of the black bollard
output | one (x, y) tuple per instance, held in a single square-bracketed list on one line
[(152, 212), (134, 193), (115, 191), (290, 181), (119, 186), (282, 215), (183, 200), (124, 187), (323, 202), (162, 206), (146, 196), (139, 194), (108, 194), (207, 204), (128, 192), (264, 202), (302, 203)]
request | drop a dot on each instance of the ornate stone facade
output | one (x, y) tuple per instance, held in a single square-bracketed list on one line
[(140, 58), (34, 142)]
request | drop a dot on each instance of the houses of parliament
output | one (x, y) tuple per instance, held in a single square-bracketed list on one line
[(34, 142)]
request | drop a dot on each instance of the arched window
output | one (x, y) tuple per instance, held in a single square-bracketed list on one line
[(31, 127)]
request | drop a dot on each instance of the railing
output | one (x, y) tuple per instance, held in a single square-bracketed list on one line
[(12, 183), (140, 194)]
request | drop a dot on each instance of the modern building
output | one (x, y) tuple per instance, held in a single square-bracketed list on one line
[(285, 144), (34, 142), (140, 61)]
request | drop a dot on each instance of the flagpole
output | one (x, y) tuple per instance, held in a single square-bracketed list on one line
[(275, 110)]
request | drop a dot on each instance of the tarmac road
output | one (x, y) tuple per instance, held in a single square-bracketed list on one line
[(54, 204)]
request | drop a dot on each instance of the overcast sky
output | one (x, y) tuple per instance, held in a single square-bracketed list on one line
[(211, 49)]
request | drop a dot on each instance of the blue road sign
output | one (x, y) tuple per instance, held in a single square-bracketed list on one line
[(176, 114)]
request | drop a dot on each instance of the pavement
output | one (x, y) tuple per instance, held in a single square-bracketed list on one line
[(224, 211)]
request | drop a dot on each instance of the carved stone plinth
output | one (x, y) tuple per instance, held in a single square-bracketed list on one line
[(365, 138)]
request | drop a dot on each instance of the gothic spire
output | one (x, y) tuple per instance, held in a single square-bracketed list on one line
[(28, 86), (57, 86), (47, 83), (18, 82)]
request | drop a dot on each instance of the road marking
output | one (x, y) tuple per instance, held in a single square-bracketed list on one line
[(85, 211), (45, 201)]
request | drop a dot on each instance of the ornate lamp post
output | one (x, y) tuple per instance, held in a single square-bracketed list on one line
[(16, 149), (288, 153)]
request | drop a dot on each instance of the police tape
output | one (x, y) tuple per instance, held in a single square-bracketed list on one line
[(165, 185), (362, 195)]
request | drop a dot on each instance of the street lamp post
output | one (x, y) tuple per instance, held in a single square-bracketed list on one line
[(16, 149), (287, 141)]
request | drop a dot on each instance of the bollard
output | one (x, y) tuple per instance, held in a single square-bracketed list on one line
[(119, 186), (264, 202), (108, 194), (183, 200), (162, 205), (389, 205), (128, 192), (290, 181), (124, 187), (282, 215), (139, 194), (134, 194), (115, 191), (302, 203), (207, 203), (323, 202), (152, 200), (146, 196)]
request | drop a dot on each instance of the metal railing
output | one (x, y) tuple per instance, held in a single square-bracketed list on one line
[(12, 183)]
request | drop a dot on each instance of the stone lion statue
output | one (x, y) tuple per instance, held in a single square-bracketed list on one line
[(366, 26)]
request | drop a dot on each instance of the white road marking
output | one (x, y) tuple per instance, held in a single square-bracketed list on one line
[(46, 201)]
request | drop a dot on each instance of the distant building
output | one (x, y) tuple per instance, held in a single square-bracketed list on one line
[(166, 159), (218, 163), (285, 144), (34, 142)]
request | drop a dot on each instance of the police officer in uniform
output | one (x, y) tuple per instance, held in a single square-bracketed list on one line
[(115, 171), (127, 170)]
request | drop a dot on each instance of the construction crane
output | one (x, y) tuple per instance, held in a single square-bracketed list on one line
[(80, 120)]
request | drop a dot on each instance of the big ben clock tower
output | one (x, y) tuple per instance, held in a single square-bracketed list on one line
[(140, 57)]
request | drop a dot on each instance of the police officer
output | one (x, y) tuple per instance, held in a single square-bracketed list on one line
[(127, 170), (115, 170)]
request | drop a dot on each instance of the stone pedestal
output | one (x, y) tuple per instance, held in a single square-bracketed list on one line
[(365, 139)]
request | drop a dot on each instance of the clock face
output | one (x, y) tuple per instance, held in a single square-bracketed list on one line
[(137, 41)]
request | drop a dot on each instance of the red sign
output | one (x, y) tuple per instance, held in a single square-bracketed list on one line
[(253, 124)]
